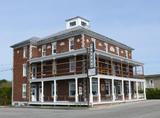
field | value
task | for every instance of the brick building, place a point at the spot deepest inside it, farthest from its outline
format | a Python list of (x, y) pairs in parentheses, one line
[(75, 66)]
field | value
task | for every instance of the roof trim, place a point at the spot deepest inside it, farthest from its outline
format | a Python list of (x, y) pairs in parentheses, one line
[(152, 76), (32, 40), (76, 18)]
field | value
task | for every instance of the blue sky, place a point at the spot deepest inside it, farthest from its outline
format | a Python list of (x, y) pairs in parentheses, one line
[(133, 22)]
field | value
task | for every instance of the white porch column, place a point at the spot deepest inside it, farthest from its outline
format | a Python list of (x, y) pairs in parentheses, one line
[(113, 94), (123, 90), (55, 90), (41, 69), (99, 93), (129, 83), (137, 90), (90, 90), (42, 96), (76, 89), (144, 90)]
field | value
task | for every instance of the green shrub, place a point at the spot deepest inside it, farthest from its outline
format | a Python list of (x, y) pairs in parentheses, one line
[(5, 95), (153, 93)]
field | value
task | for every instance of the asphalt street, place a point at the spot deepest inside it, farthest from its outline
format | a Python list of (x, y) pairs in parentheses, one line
[(142, 109)]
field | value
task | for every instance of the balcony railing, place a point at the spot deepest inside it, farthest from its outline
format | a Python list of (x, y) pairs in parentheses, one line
[(48, 69)]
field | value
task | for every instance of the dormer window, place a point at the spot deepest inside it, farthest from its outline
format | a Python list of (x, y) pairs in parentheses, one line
[(83, 23), (73, 23), (71, 44), (77, 21)]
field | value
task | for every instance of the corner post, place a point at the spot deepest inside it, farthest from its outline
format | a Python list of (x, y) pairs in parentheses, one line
[(129, 89), (99, 93), (113, 94), (76, 90), (55, 90), (90, 92), (42, 96)]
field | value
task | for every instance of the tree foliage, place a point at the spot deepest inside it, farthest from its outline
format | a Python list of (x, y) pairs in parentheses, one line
[(5, 92)]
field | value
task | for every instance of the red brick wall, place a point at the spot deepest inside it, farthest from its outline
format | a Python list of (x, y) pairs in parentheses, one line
[(129, 54), (100, 45), (34, 52), (49, 49), (62, 45), (78, 42), (122, 52), (87, 41), (39, 49), (47, 91), (112, 49), (18, 78)]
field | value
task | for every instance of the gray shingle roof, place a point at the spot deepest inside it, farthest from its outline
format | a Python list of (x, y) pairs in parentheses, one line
[(69, 33), (32, 40)]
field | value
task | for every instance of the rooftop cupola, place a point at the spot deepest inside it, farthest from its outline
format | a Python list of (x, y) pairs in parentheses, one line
[(77, 21)]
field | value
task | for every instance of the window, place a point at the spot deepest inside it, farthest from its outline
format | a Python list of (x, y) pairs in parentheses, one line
[(24, 70), (71, 89), (24, 89), (151, 84), (54, 48), (72, 65), (83, 23), (107, 86), (71, 44), (94, 87), (72, 23), (25, 52), (44, 50), (119, 88)]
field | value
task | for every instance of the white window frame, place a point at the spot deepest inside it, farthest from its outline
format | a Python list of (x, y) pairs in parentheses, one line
[(54, 48), (24, 70), (95, 86), (25, 52), (71, 89), (71, 43), (107, 85), (44, 49), (24, 90)]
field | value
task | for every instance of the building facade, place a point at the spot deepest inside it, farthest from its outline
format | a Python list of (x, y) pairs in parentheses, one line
[(152, 81), (76, 66)]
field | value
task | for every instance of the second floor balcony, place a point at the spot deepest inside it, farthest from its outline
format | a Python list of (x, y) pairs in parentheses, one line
[(79, 65)]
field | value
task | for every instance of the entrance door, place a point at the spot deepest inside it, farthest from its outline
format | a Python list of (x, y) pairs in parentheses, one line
[(116, 92), (34, 93)]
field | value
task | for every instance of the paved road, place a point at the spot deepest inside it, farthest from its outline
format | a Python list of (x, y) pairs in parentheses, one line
[(143, 109)]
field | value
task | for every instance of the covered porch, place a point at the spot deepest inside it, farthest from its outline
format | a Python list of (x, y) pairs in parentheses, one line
[(98, 89)]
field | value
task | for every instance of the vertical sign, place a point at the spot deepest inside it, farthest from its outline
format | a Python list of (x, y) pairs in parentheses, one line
[(92, 64)]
